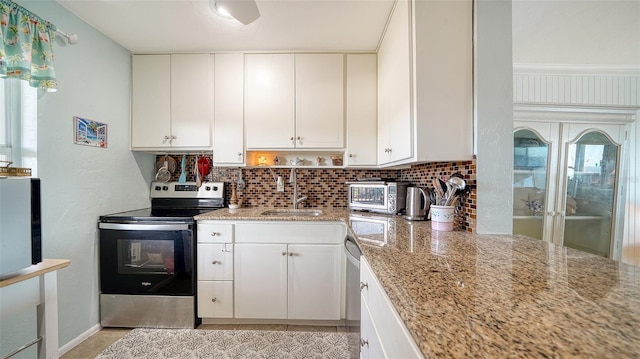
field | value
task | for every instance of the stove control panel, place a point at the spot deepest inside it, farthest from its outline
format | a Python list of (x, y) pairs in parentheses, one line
[(186, 190)]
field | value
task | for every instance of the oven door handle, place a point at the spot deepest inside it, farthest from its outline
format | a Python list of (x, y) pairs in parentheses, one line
[(146, 227)]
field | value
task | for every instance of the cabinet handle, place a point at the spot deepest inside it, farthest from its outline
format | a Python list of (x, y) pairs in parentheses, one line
[(174, 137), (216, 262), (240, 156), (364, 342), (224, 248), (351, 155), (284, 253), (364, 285), (551, 213), (214, 299), (291, 254), (165, 139), (292, 139), (213, 234)]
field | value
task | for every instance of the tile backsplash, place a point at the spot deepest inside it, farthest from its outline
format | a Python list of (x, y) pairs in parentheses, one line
[(325, 187)]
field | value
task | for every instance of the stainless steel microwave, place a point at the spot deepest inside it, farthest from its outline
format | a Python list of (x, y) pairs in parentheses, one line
[(378, 196)]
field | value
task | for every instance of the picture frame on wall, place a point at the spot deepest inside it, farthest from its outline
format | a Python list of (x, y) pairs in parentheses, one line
[(89, 133)]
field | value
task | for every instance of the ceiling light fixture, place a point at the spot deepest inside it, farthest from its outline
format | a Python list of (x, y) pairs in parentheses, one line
[(245, 11)]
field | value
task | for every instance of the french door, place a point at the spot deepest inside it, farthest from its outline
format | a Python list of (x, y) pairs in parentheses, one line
[(566, 183)]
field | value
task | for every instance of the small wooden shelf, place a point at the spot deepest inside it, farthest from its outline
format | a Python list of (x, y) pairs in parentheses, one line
[(46, 266)]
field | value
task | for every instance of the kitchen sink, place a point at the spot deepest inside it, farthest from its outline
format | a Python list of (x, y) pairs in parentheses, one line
[(293, 212)]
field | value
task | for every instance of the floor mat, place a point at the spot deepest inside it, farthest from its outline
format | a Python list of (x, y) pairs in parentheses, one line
[(198, 343)]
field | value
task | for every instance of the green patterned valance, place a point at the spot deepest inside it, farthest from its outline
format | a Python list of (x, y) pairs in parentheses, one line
[(26, 46)]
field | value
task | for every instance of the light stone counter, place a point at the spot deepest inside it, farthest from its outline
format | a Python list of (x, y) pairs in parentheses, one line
[(464, 295)]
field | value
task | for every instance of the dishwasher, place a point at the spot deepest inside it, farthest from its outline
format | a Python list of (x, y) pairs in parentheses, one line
[(353, 283)]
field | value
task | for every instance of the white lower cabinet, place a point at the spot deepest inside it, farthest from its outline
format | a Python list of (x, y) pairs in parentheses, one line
[(382, 332), (214, 263), (289, 271), (215, 299), (280, 281), (261, 281), (314, 281)]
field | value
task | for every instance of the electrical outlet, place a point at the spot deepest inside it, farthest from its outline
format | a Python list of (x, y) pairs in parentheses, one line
[(280, 184)]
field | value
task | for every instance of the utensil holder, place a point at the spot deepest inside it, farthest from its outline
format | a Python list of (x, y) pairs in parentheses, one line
[(442, 217)]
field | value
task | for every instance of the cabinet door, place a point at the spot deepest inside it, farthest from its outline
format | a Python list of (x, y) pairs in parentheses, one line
[(319, 100), (228, 128), (535, 178), (315, 281), (361, 110), (260, 281), (590, 171), (395, 130), (151, 101), (269, 101), (215, 261), (191, 113), (215, 299)]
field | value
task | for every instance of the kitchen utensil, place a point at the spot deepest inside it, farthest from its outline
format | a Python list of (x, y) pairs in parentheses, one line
[(240, 184), (457, 183), (183, 174), (417, 204), (204, 165), (170, 163), (198, 180), (163, 174)]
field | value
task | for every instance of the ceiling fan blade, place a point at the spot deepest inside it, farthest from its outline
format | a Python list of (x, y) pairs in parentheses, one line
[(245, 11)]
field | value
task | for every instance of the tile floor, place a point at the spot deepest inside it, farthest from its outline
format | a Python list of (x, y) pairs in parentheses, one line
[(95, 344)]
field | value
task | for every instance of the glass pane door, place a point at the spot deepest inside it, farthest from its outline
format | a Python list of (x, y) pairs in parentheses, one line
[(591, 170), (530, 166)]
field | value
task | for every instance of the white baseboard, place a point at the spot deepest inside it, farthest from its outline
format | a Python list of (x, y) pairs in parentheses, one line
[(79, 339)]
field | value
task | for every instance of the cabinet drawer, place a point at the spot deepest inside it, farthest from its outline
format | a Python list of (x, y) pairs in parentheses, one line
[(215, 299), (369, 338), (395, 340), (214, 233), (215, 261), (291, 232)]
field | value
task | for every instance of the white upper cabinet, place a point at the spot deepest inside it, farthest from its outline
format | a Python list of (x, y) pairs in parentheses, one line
[(319, 100), (270, 100), (151, 101), (395, 135), (361, 98), (171, 105), (228, 119), (425, 90), (294, 101)]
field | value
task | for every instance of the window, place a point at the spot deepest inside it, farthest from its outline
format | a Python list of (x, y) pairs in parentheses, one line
[(18, 124)]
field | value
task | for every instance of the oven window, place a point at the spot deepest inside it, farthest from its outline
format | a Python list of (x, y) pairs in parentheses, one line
[(368, 195), (136, 256)]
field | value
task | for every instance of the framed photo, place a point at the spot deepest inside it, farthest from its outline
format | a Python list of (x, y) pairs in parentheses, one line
[(89, 133)]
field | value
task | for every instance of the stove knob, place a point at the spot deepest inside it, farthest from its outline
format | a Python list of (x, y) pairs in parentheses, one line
[(165, 188), (215, 188), (158, 188), (207, 188)]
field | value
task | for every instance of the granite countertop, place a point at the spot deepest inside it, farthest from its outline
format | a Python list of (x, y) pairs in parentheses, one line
[(465, 295)]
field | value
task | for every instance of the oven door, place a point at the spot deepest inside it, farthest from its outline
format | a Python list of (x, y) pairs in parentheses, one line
[(147, 258)]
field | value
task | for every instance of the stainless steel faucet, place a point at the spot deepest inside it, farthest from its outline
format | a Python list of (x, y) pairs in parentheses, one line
[(293, 180)]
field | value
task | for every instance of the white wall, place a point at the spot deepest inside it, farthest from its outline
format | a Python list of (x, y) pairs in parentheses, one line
[(576, 32), (493, 115), (80, 183)]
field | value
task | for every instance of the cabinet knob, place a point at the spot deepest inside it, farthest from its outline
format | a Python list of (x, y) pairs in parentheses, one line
[(291, 254), (291, 139), (166, 137), (284, 253), (364, 342), (363, 285), (174, 137), (551, 213), (214, 299), (215, 262), (351, 155)]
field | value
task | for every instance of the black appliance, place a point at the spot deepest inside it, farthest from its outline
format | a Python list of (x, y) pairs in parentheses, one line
[(20, 223), (147, 258)]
